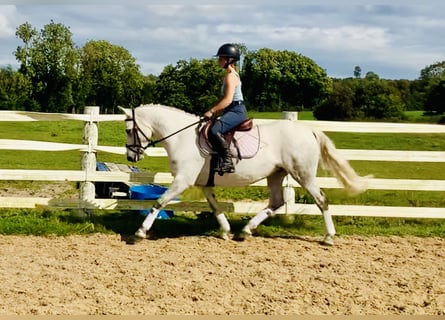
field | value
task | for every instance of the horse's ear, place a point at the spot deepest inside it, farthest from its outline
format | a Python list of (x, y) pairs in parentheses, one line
[(125, 110)]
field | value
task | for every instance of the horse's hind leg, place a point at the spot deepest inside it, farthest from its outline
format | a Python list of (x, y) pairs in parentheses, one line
[(274, 183), (327, 217), (309, 183), (220, 217)]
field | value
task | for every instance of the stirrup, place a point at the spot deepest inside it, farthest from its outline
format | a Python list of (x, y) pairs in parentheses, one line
[(225, 167)]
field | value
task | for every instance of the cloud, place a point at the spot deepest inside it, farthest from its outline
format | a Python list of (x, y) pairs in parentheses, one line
[(343, 37), (8, 19), (395, 40)]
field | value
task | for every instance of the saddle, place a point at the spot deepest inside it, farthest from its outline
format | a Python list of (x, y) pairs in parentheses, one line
[(244, 140)]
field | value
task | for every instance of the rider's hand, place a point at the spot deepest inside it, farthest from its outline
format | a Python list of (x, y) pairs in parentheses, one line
[(208, 115)]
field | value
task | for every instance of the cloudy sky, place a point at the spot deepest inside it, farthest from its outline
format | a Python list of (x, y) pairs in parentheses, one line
[(395, 41)]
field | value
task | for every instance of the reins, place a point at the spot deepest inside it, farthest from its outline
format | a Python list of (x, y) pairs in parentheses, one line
[(153, 142), (176, 132)]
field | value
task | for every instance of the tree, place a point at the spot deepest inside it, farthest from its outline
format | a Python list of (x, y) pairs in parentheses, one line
[(405, 89), (48, 61), (243, 52), (375, 99), (192, 85), (371, 76), (23, 54), (109, 76), (148, 94), (357, 72), (283, 80), (432, 78), (339, 105), (435, 101), (435, 70), (14, 90)]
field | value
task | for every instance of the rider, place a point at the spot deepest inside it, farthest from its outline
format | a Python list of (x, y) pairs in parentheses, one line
[(230, 105)]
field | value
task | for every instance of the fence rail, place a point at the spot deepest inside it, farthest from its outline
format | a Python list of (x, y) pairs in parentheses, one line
[(87, 175)]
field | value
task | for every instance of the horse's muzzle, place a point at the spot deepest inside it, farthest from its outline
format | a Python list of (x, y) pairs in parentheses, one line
[(135, 157)]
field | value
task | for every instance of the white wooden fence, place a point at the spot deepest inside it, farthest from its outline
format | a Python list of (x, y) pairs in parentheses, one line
[(88, 174)]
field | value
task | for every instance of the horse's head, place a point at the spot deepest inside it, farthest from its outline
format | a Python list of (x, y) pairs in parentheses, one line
[(137, 140)]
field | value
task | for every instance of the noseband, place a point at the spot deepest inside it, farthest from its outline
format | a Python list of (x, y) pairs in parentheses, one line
[(137, 146)]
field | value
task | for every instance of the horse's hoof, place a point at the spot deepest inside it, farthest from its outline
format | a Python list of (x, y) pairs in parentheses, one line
[(243, 235), (140, 234), (133, 240), (328, 240), (224, 235)]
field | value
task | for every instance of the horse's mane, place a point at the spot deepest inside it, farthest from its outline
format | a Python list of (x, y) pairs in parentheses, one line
[(152, 105)]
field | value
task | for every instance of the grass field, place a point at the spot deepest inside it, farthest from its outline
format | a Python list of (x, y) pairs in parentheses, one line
[(38, 222)]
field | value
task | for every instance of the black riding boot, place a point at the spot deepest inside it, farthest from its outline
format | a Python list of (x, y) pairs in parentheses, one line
[(225, 163)]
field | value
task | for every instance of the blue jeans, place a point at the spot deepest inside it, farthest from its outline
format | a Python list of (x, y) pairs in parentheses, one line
[(232, 116)]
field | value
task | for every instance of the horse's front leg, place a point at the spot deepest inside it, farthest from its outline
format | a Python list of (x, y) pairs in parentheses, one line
[(276, 200), (220, 217), (176, 188)]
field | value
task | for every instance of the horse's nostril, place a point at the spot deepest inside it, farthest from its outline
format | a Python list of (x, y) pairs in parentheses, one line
[(129, 159)]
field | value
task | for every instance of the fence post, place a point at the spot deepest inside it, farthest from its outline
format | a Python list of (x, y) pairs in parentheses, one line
[(290, 115), (288, 190), (90, 138)]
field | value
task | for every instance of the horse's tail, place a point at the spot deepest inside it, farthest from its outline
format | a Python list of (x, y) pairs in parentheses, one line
[(335, 163)]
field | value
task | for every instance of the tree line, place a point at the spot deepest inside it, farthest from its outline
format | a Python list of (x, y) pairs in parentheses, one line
[(55, 75)]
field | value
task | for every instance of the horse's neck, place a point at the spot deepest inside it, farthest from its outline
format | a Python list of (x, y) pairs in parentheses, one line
[(165, 120)]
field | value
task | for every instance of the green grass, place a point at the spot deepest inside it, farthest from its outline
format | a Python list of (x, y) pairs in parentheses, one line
[(45, 223), (302, 115), (63, 223), (382, 141), (52, 131), (414, 115), (420, 117), (60, 222)]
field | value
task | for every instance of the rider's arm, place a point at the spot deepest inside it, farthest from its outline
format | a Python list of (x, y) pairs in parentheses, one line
[(231, 80)]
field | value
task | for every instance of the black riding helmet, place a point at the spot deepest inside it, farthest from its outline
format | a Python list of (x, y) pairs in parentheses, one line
[(228, 50)]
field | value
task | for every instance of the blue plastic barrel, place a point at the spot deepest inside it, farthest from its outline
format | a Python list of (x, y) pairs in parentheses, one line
[(150, 192)]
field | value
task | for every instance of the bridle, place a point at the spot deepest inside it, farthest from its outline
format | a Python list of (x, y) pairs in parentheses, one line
[(137, 146)]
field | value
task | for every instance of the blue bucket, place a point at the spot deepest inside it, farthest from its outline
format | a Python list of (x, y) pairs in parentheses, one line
[(146, 192), (150, 192)]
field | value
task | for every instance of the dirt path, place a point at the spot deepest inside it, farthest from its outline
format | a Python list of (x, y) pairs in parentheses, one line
[(100, 274)]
